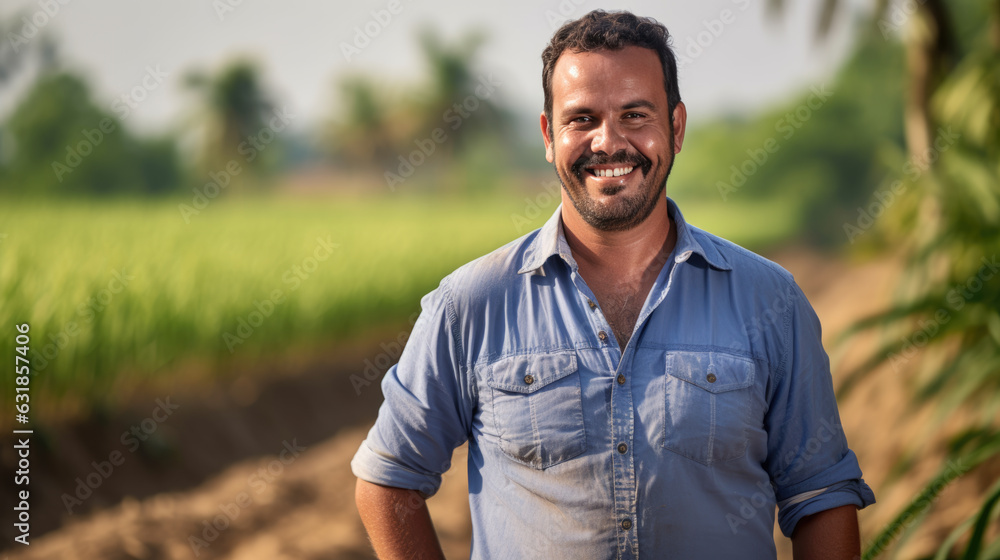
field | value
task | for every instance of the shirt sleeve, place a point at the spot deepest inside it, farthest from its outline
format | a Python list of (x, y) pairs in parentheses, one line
[(809, 462), (427, 411)]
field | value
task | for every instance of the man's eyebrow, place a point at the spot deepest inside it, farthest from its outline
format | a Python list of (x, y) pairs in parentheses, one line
[(584, 110), (639, 103), (577, 110)]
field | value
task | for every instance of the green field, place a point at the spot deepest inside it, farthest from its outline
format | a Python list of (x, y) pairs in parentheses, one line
[(125, 286)]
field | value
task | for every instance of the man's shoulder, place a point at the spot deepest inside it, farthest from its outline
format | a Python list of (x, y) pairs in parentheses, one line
[(493, 273), (743, 261)]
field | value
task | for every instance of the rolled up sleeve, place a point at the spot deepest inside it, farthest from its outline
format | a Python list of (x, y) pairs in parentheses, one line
[(809, 461), (427, 411)]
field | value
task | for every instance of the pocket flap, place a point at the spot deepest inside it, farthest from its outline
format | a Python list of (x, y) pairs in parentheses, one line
[(530, 372), (712, 371)]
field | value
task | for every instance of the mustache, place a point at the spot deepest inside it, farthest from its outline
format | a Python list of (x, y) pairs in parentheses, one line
[(632, 159)]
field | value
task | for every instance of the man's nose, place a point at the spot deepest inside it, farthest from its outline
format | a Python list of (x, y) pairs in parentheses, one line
[(608, 138)]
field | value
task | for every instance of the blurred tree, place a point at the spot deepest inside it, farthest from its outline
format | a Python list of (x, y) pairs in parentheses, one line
[(458, 98), (365, 134), (16, 55), (234, 123), (451, 126), (16, 51), (814, 152), (63, 143)]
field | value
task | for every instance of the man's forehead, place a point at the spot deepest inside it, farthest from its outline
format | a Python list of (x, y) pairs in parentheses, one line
[(623, 72), (570, 59)]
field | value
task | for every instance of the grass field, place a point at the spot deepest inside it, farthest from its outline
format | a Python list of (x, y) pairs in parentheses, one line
[(128, 286)]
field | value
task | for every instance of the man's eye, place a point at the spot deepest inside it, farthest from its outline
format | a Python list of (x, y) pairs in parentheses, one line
[(634, 115), (582, 119)]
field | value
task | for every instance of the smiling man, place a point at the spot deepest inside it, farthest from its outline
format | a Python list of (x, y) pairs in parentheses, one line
[(628, 384)]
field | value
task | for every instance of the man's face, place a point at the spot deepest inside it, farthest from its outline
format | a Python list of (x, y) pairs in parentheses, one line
[(613, 138)]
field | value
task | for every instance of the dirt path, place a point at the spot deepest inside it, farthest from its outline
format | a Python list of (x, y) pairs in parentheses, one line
[(266, 461)]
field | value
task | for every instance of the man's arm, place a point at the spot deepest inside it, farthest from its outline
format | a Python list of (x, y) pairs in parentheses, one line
[(828, 535), (397, 522)]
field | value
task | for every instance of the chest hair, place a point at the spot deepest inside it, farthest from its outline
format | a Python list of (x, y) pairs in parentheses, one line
[(621, 306)]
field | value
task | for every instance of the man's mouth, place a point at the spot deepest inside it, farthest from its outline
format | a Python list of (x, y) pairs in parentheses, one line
[(610, 171)]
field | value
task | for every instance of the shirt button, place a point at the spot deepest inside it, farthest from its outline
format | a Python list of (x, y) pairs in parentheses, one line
[(710, 378), (622, 448), (626, 524), (529, 379), (591, 303), (621, 379), (603, 336)]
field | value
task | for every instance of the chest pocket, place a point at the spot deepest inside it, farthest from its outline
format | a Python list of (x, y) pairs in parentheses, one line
[(538, 408), (707, 410)]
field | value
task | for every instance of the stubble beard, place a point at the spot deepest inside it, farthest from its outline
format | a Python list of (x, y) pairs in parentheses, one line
[(625, 211)]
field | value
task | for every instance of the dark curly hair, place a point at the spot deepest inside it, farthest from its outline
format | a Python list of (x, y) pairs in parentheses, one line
[(600, 30)]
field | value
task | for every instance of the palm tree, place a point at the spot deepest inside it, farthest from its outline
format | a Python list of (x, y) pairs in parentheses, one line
[(453, 82), (366, 134), (234, 110), (948, 223)]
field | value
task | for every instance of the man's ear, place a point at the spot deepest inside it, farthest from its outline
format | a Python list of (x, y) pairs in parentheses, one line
[(544, 122), (680, 123)]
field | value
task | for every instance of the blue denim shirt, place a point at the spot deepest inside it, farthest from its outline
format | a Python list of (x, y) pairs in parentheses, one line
[(720, 407)]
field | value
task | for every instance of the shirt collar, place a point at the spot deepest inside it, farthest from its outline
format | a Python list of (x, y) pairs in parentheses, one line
[(551, 240)]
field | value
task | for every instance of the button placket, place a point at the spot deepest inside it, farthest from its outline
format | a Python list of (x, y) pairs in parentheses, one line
[(623, 428)]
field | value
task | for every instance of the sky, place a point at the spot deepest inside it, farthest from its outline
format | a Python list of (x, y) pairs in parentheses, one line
[(735, 57)]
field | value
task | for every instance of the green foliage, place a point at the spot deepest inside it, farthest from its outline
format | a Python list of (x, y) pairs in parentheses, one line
[(451, 117), (63, 266), (234, 115), (62, 143), (947, 219), (822, 161)]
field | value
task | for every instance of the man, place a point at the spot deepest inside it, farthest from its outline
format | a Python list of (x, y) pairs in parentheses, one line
[(628, 384)]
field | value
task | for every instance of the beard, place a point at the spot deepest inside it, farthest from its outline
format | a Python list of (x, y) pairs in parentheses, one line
[(625, 211)]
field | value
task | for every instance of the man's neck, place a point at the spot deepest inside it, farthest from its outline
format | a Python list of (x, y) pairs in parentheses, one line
[(621, 267), (625, 254)]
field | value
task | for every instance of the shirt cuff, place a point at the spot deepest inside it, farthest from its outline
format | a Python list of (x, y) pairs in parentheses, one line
[(378, 469), (850, 492)]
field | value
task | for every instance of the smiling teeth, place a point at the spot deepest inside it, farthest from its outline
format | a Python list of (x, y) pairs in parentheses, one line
[(613, 172)]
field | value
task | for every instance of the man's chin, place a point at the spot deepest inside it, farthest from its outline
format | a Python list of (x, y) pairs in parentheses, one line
[(611, 190)]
